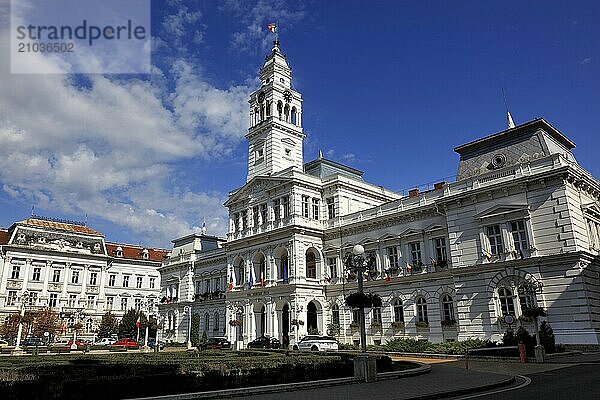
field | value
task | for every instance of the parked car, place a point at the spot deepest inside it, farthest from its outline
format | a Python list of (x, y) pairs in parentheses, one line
[(152, 344), (62, 342), (264, 342), (32, 341), (105, 342), (78, 342), (216, 343), (127, 342), (316, 343), (3, 343)]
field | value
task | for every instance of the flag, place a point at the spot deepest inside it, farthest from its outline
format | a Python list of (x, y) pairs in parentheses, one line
[(521, 254), (388, 277), (408, 267), (251, 280), (433, 261), (487, 254), (285, 277), (272, 27), (137, 323), (231, 282), (262, 279)]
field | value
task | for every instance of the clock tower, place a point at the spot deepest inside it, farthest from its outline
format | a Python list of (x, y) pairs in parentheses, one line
[(275, 135)]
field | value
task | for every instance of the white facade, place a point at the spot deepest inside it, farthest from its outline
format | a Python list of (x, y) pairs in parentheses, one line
[(70, 268), (450, 261)]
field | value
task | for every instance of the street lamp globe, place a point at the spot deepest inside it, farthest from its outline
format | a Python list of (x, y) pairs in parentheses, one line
[(358, 250)]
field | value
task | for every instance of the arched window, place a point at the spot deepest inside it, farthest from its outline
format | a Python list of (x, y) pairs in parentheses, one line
[(398, 311), (256, 116), (89, 326), (262, 113), (286, 112), (284, 268), (206, 322), (507, 303), (526, 300), (268, 108), (239, 271), (294, 117), (447, 308), (335, 313), (217, 321), (311, 265), (280, 109), (422, 310)]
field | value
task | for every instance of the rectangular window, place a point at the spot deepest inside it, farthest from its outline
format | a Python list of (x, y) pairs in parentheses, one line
[(415, 253), (392, 255), (440, 249), (255, 215), (332, 264), (277, 209), (236, 222), (33, 298), (285, 202), (126, 281), (93, 278), (91, 302), (110, 300), (376, 315), (16, 271), (138, 304), (53, 299), (152, 283), (263, 213), (198, 287), (355, 315), (37, 273), (244, 220), (112, 279), (56, 276), (11, 299), (494, 235), (519, 235), (330, 207), (305, 206), (124, 304), (207, 285), (72, 300), (217, 283), (315, 208), (139, 281), (75, 276)]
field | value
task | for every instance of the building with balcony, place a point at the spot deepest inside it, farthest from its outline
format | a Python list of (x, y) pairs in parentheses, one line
[(520, 227), (70, 267)]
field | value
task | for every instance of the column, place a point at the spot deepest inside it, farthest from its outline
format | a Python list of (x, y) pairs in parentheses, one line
[(46, 279), (63, 294), (4, 274)]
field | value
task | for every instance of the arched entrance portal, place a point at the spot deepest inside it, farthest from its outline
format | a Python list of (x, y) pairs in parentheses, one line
[(311, 317)]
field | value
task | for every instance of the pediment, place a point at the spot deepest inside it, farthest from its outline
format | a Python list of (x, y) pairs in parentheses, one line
[(388, 236), (288, 141), (592, 209), (256, 186), (411, 232), (434, 227), (500, 210)]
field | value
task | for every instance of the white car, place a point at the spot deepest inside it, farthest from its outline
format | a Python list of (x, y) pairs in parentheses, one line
[(104, 342), (316, 343)]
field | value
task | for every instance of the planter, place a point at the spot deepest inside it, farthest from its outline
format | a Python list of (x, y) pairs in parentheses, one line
[(422, 325), (398, 325), (448, 323)]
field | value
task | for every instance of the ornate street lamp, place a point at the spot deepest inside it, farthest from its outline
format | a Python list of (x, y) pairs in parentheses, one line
[(359, 264), (23, 299), (188, 310)]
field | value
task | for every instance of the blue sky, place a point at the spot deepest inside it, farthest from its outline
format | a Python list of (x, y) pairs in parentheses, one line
[(389, 88)]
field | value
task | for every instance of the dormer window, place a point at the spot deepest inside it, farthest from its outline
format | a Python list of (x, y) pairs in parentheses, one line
[(79, 245), (119, 251), (145, 254), (96, 246)]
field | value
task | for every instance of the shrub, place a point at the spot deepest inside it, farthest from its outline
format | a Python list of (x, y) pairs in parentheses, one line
[(409, 345), (547, 337), (509, 339), (195, 334)]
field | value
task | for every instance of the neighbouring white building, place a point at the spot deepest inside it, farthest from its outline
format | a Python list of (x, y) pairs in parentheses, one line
[(451, 260), (70, 267)]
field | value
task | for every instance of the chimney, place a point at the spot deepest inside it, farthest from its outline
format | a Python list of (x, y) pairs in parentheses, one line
[(413, 193), (439, 185)]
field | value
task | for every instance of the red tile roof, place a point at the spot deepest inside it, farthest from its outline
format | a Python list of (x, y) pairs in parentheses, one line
[(136, 252), (4, 236), (61, 226)]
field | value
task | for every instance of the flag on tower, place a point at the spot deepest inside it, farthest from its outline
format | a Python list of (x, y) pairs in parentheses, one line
[(272, 27), (231, 282)]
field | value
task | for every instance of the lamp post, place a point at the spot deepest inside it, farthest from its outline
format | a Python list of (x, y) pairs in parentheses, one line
[(531, 289), (147, 306), (356, 262), (188, 310), (24, 298)]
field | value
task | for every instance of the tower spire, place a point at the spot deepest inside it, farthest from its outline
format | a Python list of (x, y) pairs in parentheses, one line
[(509, 118)]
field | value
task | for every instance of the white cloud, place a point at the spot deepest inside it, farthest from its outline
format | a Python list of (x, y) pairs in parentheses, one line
[(112, 147), (586, 60)]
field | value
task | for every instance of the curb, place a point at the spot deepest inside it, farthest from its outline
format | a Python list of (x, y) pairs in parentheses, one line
[(460, 392), (285, 387)]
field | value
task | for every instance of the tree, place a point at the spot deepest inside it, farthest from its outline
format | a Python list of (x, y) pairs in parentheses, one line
[(195, 334), (46, 321), (108, 326), (9, 328), (127, 326), (547, 337)]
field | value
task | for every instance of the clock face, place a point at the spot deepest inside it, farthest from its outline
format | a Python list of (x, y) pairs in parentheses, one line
[(261, 97), (287, 95)]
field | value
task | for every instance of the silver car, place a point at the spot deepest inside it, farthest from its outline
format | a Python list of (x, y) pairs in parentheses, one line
[(316, 343)]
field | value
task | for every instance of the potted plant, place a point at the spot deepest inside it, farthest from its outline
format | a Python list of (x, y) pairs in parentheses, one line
[(297, 322), (354, 326), (376, 325), (363, 300), (398, 325), (422, 325), (448, 323), (235, 322)]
